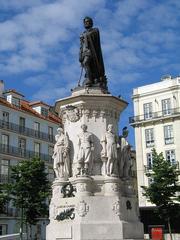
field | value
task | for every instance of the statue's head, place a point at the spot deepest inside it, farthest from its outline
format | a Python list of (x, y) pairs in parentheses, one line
[(110, 127), (84, 127), (60, 130), (125, 132), (88, 22)]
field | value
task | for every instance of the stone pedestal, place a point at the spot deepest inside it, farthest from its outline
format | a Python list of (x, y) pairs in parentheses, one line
[(83, 185), (101, 213), (57, 187), (101, 207), (111, 186)]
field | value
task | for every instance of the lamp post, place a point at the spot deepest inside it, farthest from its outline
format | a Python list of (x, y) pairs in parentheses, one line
[(21, 218)]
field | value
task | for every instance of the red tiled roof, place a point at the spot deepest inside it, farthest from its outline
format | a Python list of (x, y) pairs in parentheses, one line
[(13, 91), (25, 107), (39, 103)]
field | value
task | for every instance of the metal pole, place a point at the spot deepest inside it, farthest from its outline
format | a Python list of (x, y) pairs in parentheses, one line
[(80, 76), (21, 225), (21, 218)]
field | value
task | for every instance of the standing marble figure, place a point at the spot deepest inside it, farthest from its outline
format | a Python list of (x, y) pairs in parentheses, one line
[(61, 155), (90, 56), (85, 152), (109, 143), (125, 159)]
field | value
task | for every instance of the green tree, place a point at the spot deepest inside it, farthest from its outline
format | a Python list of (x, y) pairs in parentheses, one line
[(164, 188), (3, 198), (30, 189)]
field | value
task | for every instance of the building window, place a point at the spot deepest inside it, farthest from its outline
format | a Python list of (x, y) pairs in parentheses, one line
[(150, 180), (44, 111), (50, 133), (16, 101), (166, 106), (3, 229), (5, 142), (4, 171), (149, 160), (5, 117), (168, 134), (170, 156), (148, 110), (149, 135), (37, 149), (51, 175), (38, 231), (22, 146), (37, 129), (50, 150), (22, 124)]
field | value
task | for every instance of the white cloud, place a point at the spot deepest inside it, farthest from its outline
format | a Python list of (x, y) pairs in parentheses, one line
[(18, 4), (41, 37), (50, 93), (31, 36)]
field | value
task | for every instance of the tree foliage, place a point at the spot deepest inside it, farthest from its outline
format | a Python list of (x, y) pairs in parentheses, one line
[(3, 198), (164, 189), (30, 188)]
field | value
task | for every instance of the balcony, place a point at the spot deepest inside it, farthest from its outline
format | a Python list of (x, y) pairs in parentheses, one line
[(4, 178), (23, 153), (148, 168), (169, 140), (26, 131), (12, 212), (154, 116)]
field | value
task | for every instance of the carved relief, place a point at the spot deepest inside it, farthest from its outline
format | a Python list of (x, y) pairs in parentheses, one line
[(115, 187), (72, 113), (87, 113), (128, 205), (92, 112), (102, 114), (82, 208), (68, 190), (66, 214), (95, 114), (81, 187), (116, 208)]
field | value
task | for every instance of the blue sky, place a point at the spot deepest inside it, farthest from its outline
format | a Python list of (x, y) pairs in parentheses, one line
[(39, 45)]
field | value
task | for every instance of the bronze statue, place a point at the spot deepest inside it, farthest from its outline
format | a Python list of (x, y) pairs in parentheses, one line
[(90, 56)]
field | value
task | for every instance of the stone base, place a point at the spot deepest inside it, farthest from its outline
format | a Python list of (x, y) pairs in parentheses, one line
[(96, 231), (96, 218), (101, 208)]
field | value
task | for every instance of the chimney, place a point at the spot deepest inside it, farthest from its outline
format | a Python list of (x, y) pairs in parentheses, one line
[(1, 88)]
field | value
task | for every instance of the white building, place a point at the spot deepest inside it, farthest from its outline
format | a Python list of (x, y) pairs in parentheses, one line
[(27, 129), (157, 124)]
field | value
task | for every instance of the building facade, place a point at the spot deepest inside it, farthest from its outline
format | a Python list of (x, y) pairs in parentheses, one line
[(156, 122), (27, 129)]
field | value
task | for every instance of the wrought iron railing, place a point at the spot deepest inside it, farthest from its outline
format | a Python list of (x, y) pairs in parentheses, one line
[(154, 115), (15, 236), (26, 131), (149, 167), (4, 178), (23, 153)]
